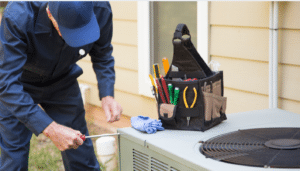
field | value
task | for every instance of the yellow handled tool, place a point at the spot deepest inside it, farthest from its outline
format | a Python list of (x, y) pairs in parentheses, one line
[(184, 97), (185, 103), (153, 83), (152, 80)]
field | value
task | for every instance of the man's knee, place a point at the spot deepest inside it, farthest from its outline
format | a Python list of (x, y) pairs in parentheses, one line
[(14, 159), (14, 146)]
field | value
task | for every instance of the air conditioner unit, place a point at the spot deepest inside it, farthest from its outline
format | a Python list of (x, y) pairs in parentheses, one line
[(175, 150)]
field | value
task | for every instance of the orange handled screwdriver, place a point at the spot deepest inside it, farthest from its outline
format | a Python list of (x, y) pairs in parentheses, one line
[(166, 64), (83, 137)]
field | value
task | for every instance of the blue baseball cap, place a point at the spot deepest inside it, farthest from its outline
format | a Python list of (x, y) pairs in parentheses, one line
[(76, 21)]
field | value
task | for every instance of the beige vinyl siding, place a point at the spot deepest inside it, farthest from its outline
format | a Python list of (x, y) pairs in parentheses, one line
[(289, 56), (237, 99), (289, 82), (289, 46), (125, 33), (248, 14), (126, 64), (240, 42), (124, 10), (247, 74), (134, 105), (127, 56), (289, 15)]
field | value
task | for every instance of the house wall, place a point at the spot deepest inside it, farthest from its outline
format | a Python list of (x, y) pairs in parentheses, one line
[(126, 64), (240, 42), (289, 59)]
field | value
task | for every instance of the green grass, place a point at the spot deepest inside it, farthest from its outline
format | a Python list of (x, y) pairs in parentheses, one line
[(2, 9), (44, 155)]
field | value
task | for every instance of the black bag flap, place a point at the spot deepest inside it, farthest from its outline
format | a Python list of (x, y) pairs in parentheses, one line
[(186, 57)]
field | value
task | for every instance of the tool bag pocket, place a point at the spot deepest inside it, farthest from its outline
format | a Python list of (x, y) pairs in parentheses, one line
[(167, 114), (214, 102), (200, 104), (214, 106)]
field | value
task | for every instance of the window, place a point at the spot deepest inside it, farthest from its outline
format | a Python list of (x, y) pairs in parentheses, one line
[(156, 24), (165, 17)]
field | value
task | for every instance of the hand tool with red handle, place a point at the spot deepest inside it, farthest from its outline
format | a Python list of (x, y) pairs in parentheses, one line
[(164, 86), (160, 91)]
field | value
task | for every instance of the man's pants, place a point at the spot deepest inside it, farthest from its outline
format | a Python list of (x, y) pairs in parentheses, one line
[(63, 103)]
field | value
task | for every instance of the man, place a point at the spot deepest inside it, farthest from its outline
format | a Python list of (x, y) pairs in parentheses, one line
[(40, 45)]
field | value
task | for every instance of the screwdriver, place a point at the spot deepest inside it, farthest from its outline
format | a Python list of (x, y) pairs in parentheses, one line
[(83, 137), (166, 65)]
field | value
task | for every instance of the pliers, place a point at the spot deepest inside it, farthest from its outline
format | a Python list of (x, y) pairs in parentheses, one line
[(184, 97), (185, 102)]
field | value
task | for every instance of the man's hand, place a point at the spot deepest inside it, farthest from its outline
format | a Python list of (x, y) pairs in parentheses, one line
[(63, 137), (112, 109)]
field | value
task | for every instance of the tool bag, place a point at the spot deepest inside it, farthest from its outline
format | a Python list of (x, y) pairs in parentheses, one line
[(201, 104)]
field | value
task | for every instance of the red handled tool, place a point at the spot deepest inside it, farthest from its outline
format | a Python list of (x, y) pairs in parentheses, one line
[(83, 137), (189, 79), (160, 91), (164, 86)]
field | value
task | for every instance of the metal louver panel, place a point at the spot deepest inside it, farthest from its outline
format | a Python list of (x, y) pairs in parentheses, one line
[(157, 165), (140, 161), (173, 169)]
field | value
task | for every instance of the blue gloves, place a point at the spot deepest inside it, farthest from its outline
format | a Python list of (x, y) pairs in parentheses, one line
[(146, 124)]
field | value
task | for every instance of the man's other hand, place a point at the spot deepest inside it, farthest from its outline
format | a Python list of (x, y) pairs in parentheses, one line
[(63, 137), (112, 109)]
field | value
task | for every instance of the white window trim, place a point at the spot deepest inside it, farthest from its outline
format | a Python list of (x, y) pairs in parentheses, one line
[(143, 25), (203, 30)]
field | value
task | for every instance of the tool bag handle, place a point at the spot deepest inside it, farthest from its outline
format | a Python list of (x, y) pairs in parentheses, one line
[(181, 30), (186, 57)]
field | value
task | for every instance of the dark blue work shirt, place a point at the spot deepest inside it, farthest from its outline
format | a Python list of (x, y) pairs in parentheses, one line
[(32, 52)]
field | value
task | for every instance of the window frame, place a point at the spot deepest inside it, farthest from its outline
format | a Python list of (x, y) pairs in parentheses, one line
[(144, 43)]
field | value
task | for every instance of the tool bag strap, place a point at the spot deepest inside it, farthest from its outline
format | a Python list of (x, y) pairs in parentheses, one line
[(186, 57)]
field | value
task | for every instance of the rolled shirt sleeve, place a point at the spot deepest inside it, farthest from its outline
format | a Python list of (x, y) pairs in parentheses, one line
[(101, 54), (12, 96)]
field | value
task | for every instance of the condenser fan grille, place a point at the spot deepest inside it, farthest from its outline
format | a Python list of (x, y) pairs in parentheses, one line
[(265, 147)]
